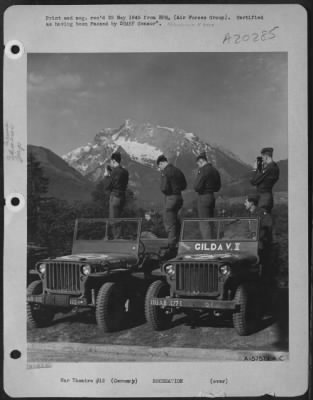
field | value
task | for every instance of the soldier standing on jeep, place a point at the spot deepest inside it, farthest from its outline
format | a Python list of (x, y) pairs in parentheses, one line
[(207, 182), (265, 175), (116, 181), (173, 182), (265, 234)]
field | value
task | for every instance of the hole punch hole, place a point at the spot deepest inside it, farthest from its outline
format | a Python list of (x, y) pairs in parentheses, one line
[(15, 354), (15, 202), (14, 49)]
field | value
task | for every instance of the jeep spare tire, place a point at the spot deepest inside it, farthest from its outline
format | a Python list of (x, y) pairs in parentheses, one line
[(110, 307), (37, 315), (158, 317)]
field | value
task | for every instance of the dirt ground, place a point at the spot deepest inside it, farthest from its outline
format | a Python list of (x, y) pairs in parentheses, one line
[(207, 332)]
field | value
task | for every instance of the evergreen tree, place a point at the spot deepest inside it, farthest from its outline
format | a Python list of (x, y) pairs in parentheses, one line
[(37, 186)]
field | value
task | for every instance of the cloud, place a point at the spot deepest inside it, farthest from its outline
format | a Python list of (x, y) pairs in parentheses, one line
[(40, 83), (81, 96), (69, 81)]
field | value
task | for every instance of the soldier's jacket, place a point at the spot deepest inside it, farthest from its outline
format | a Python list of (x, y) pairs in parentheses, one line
[(265, 180), (117, 182), (208, 180), (266, 228), (173, 181)]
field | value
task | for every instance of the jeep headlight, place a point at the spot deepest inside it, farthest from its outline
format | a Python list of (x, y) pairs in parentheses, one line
[(42, 268), (224, 269), (170, 269), (86, 269)]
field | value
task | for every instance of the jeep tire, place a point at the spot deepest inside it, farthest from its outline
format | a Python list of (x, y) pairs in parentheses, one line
[(156, 316), (110, 307), (38, 316), (246, 319)]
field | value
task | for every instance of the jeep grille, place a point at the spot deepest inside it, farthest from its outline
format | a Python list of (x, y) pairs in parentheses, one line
[(63, 276), (197, 278)]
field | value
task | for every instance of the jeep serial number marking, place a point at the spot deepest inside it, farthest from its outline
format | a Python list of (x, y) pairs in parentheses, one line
[(217, 246), (163, 302)]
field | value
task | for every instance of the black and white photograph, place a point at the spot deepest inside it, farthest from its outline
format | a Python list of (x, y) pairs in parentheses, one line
[(158, 203)]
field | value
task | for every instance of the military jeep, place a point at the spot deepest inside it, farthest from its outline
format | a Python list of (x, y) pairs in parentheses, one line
[(109, 271), (216, 270)]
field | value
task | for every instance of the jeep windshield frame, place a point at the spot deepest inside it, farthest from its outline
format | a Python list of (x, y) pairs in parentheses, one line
[(104, 240), (108, 222), (217, 222)]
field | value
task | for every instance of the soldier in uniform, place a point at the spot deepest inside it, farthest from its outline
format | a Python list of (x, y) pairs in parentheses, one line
[(173, 182), (264, 177), (207, 182), (116, 182), (265, 235)]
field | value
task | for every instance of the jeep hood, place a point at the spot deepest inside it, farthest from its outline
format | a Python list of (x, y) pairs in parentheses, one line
[(112, 258), (219, 257)]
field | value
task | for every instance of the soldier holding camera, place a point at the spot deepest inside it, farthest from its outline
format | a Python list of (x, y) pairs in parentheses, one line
[(116, 181), (265, 175)]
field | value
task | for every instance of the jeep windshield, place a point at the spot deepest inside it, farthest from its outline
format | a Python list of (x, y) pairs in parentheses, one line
[(220, 229), (107, 229)]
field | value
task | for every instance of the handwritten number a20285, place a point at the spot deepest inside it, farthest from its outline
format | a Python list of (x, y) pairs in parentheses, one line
[(255, 37)]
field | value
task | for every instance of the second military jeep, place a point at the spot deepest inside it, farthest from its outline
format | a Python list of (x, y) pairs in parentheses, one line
[(217, 270), (108, 271)]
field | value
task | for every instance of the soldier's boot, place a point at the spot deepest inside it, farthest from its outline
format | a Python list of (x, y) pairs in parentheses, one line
[(168, 252)]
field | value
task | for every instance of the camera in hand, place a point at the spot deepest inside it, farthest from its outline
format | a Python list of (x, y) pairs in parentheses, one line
[(109, 168), (259, 161)]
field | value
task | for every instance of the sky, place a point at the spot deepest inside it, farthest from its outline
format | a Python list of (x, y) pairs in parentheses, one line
[(236, 100)]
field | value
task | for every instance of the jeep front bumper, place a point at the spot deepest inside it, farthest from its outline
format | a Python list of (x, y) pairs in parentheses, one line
[(193, 303), (58, 300)]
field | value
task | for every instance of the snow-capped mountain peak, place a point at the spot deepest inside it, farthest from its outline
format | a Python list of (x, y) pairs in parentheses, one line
[(140, 144)]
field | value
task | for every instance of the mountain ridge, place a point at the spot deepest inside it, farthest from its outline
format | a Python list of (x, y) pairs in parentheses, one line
[(141, 143), (65, 182)]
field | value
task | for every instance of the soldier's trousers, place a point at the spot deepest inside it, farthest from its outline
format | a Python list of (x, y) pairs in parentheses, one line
[(172, 206), (116, 205), (206, 205), (266, 201)]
